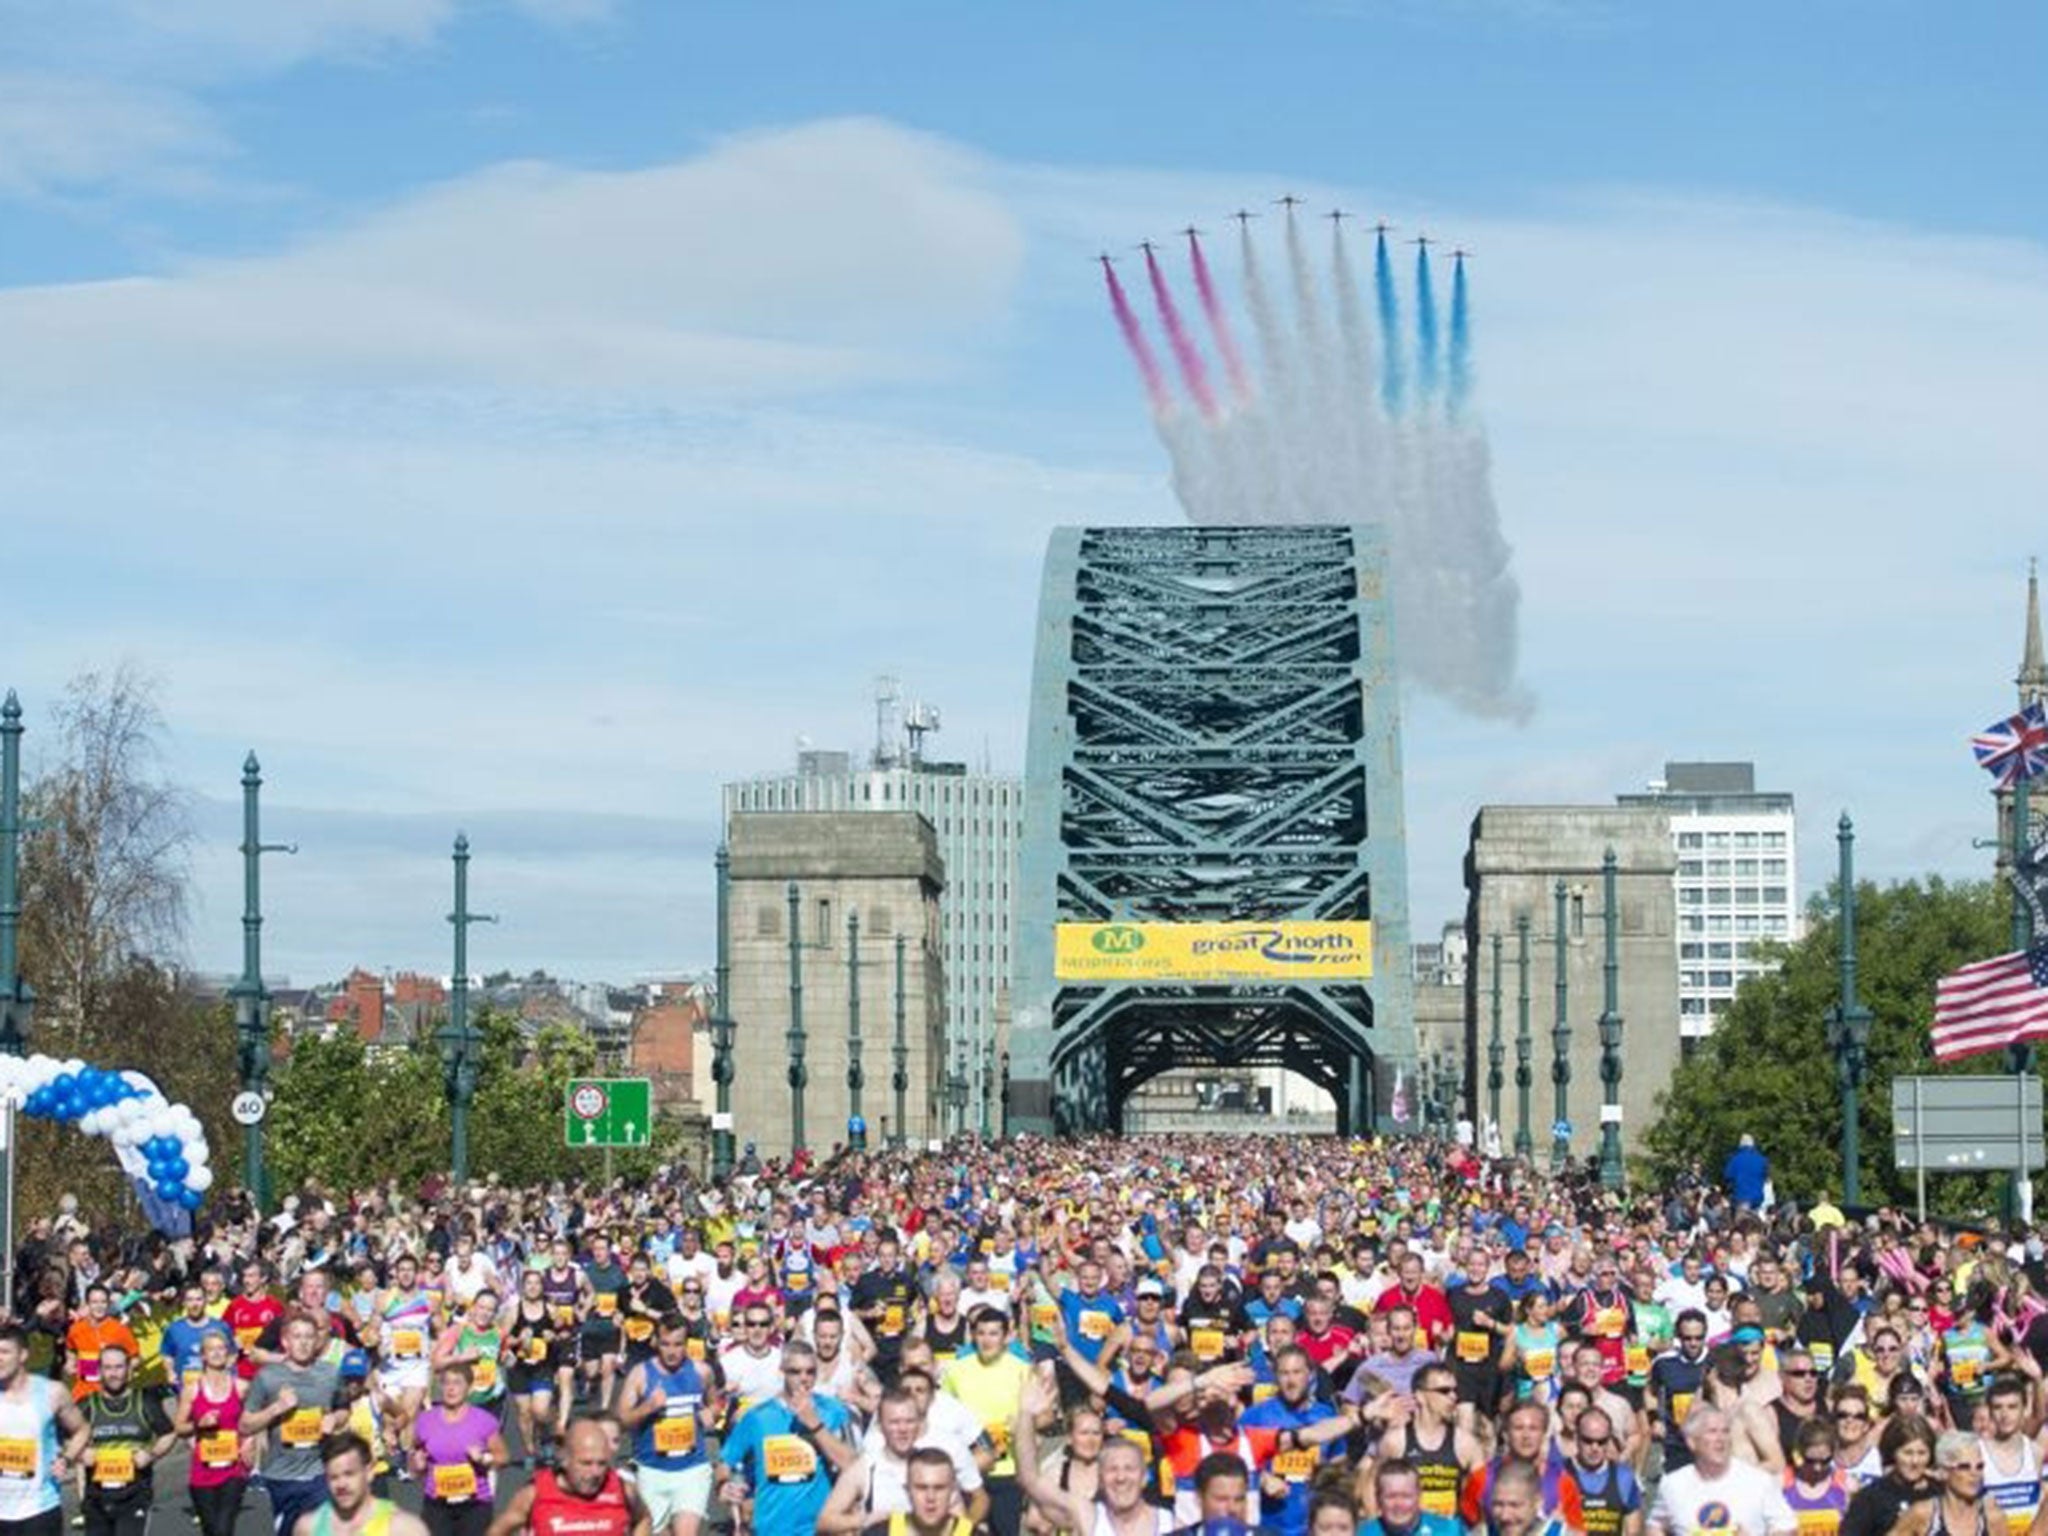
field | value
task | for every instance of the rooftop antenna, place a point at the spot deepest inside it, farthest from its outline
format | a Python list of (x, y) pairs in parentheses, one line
[(919, 721)]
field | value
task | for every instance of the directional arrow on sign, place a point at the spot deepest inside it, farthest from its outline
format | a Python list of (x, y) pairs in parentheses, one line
[(590, 1131), (630, 1137)]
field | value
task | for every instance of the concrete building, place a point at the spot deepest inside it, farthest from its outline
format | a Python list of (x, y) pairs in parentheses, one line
[(884, 867), (1736, 881), (978, 821), (1516, 857)]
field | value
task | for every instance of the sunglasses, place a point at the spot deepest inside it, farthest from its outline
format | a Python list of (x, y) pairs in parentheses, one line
[(1808, 1371), (1852, 1418)]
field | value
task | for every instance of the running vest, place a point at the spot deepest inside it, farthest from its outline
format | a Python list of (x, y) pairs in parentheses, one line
[(558, 1512), (1604, 1509), (899, 1525), (672, 1440), (1818, 1514), (119, 1430), (944, 1340), (378, 1524), (1437, 1471), (2017, 1490), (489, 1343), (407, 1321)]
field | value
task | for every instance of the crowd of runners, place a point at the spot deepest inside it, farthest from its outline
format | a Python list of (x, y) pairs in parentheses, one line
[(1102, 1338)]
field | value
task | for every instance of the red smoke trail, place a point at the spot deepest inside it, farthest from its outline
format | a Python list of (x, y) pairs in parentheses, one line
[(1141, 349), (1219, 323), (1192, 371)]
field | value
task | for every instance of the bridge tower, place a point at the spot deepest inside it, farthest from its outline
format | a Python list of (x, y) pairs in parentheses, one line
[(1215, 739)]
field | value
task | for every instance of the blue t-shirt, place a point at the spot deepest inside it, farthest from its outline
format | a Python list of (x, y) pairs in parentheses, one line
[(1090, 1320), (1425, 1525), (790, 1478), (678, 1426), (1289, 1516), (182, 1341)]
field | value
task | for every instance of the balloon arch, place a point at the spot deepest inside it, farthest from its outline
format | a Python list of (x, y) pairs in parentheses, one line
[(161, 1146)]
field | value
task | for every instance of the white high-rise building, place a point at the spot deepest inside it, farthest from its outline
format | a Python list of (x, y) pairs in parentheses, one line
[(1737, 881), (979, 819)]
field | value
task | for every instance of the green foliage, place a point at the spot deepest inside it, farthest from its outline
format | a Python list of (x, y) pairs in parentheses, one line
[(1767, 1068)]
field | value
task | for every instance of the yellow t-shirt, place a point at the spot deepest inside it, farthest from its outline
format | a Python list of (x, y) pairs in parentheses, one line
[(993, 1394)]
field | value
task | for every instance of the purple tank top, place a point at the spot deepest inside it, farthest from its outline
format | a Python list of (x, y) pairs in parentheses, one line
[(451, 1476)]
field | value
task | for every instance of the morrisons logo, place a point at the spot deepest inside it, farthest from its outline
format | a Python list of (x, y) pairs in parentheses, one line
[(1118, 940)]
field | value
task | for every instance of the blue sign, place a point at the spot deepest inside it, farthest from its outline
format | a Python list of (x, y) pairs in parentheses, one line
[(1562, 1131), (857, 1126)]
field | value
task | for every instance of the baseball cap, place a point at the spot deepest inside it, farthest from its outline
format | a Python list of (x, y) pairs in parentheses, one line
[(355, 1365), (1150, 1287)]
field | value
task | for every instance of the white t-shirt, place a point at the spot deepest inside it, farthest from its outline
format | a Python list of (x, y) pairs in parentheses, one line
[(466, 1284), (1742, 1501), (971, 1300), (949, 1424), (888, 1480)]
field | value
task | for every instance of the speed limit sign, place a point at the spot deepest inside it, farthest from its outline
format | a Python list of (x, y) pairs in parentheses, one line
[(588, 1101)]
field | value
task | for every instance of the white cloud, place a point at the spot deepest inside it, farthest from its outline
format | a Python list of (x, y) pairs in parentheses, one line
[(63, 131), (806, 259)]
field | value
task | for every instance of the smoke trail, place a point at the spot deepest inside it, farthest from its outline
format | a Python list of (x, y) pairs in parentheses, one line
[(1192, 370), (1284, 433), (1392, 386), (1322, 417), (1428, 361), (1141, 350), (1219, 323), (1461, 337)]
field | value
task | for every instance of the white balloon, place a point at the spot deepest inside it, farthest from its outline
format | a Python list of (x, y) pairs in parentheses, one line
[(200, 1178), (197, 1153), (71, 1064), (91, 1121), (124, 1136)]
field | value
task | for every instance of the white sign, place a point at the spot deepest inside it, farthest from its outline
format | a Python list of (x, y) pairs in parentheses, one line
[(248, 1108), (588, 1103)]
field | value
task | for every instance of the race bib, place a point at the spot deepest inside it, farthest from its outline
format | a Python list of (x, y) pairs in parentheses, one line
[(17, 1458), (639, 1329), (1440, 1501), (407, 1343), (999, 1437), (455, 1483), (1095, 1326), (722, 1321), (219, 1448), (694, 1348), (1539, 1363), (676, 1436), (787, 1459), (892, 1321), (486, 1377), (1610, 1322), (1207, 1343), (1043, 1315), (1819, 1522), (536, 1350), (113, 1466), (1637, 1358), (301, 1427), (1296, 1466), (607, 1303), (564, 1316), (1713, 1518), (1681, 1405), (1261, 1390), (244, 1337), (1965, 1373), (1823, 1355), (1473, 1347), (1000, 1280)]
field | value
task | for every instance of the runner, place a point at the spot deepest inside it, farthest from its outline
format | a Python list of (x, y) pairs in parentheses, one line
[(209, 1414), (667, 1403), (351, 1509), (583, 1496), (406, 1327), (456, 1449), (129, 1435), (293, 1405)]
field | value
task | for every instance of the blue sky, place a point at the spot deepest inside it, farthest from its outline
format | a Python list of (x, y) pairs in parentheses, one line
[(525, 415)]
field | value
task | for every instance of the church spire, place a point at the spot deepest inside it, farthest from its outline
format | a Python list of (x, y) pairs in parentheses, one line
[(2033, 678)]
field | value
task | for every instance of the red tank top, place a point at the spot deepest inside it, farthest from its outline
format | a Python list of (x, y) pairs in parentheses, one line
[(217, 1452), (558, 1512)]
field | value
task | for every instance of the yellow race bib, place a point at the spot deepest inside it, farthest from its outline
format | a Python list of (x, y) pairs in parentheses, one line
[(536, 1350), (455, 1483), (639, 1329), (486, 1378), (787, 1459), (301, 1427), (113, 1466), (1095, 1326), (1207, 1343), (219, 1448), (607, 1303), (676, 1436), (407, 1343), (1473, 1347), (1296, 1466)]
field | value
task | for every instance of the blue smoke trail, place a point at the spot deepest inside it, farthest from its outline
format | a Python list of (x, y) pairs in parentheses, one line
[(1461, 337), (1391, 383), (1428, 364)]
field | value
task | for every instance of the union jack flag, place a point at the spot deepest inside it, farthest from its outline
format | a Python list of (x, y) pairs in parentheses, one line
[(2014, 749)]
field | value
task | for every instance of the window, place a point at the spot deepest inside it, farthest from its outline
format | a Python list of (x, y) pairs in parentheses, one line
[(1689, 840), (1718, 923), (1747, 923), (1691, 951), (1717, 839), (1775, 923), (1578, 911), (1774, 867), (1689, 868), (1774, 840), (1718, 896), (1692, 924), (1720, 978), (1774, 895), (1718, 867), (1692, 978), (768, 921), (1717, 1005), (1692, 1005), (821, 935), (1745, 869), (1719, 951), (1691, 896), (1745, 895), (1745, 839)]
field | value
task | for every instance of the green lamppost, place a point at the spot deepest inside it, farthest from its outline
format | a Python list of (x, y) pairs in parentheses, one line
[(856, 1122), (252, 998), (1610, 1032), (1561, 1048), (899, 1077), (956, 1096), (458, 1040), (988, 1088), (798, 1075), (1496, 1051), (17, 1000), (1848, 1022), (1525, 1047), (1003, 1096), (721, 1025)]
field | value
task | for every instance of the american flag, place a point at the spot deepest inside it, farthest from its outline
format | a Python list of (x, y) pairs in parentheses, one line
[(2014, 748), (1993, 1003)]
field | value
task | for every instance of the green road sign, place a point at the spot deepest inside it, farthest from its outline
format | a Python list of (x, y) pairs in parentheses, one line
[(608, 1112)]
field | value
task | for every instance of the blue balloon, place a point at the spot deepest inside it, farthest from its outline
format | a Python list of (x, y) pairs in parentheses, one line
[(189, 1198), (176, 1169), (166, 1190)]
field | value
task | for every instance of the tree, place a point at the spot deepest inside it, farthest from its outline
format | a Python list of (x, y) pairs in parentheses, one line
[(1767, 1070), (103, 861), (344, 1121)]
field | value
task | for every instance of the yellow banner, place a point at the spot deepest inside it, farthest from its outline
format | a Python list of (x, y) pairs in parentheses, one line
[(1282, 951)]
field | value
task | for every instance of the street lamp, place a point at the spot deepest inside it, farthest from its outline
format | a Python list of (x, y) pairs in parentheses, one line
[(1525, 1048), (1848, 1022), (956, 1097), (252, 998), (899, 1076), (457, 1039), (856, 1122), (1496, 1052), (798, 1076), (1561, 1048), (1610, 1034), (721, 1025), (17, 1000)]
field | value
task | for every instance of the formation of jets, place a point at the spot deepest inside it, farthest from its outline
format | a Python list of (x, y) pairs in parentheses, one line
[(1290, 202)]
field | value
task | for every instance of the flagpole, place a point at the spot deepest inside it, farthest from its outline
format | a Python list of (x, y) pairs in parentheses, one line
[(2020, 1055)]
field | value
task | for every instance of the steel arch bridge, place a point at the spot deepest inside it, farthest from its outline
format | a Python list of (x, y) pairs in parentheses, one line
[(1215, 736)]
